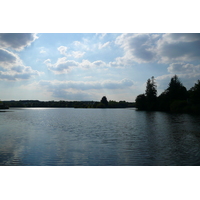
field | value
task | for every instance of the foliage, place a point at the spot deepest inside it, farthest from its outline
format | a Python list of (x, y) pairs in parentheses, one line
[(178, 106), (151, 94), (141, 102), (176, 91), (175, 98), (148, 100), (70, 104), (104, 101), (194, 93)]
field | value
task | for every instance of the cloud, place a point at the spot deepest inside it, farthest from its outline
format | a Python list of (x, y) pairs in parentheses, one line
[(182, 68), (82, 89), (88, 85), (8, 59), (187, 79), (137, 47), (161, 48), (75, 54), (179, 47), (13, 68), (181, 37), (101, 46), (101, 35), (15, 74), (74, 96), (16, 41), (42, 51), (187, 72), (63, 65), (82, 45), (62, 50)]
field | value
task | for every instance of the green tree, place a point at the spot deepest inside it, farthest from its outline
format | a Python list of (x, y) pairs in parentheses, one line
[(194, 93), (151, 94), (104, 101), (140, 102), (176, 91), (174, 97)]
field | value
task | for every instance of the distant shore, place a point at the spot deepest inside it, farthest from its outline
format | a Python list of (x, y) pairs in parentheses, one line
[(67, 104)]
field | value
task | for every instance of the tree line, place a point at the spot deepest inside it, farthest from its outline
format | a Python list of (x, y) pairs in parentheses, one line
[(103, 103), (175, 98)]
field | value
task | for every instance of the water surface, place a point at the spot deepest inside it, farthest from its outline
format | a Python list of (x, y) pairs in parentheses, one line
[(98, 137)]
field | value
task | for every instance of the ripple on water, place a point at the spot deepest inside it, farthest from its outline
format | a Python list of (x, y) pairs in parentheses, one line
[(98, 137)]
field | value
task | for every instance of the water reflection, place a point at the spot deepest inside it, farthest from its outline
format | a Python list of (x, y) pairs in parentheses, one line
[(98, 137)]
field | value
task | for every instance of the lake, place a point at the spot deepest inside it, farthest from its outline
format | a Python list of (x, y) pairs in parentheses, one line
[(98, 137)]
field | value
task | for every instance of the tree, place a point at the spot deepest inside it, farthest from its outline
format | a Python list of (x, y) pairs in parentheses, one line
[(148, 100), (174, 97), (104, 101), (194, 93), (151, 94), (140, 102), (176, 91)]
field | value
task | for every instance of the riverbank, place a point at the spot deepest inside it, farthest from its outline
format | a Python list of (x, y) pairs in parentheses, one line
[(68, 104)]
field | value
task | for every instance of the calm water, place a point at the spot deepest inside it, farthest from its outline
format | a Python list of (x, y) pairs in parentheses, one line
[(98, 137)]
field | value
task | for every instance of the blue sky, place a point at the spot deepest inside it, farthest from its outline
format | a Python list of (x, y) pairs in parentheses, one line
[(81, 66)]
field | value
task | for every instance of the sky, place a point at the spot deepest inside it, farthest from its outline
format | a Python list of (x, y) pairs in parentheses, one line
[(53, 66), (87, 66)]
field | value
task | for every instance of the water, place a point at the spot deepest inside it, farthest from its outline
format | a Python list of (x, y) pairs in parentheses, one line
[(98, 137)]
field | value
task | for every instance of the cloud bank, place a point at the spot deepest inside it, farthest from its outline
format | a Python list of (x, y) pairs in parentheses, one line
[(84, 90)]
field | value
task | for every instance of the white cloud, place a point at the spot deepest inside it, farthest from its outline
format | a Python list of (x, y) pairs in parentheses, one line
[(138, 47), (187, 79), (65, 66), (182, 68), (101, 35), (181, 37), (8, 59), (61, 66), (87, 77), (84, 90), (101, 46), (87, 85), (187, 73), (62, 50), (77, 54), (178, 47), (16, 41), (82, 45), (14, 68), (161, 48), (17, 74), (42, 51)]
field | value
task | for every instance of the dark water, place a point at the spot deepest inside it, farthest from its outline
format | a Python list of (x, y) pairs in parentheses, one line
[(98, 137)]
